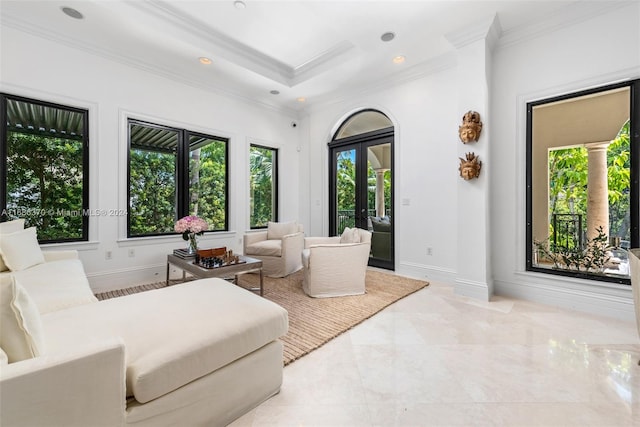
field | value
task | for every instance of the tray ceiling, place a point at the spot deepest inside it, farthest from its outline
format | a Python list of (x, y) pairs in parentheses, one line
[(316, 50)]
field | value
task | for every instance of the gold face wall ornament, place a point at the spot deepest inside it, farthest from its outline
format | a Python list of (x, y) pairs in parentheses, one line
[(471, 127), (470, 167)]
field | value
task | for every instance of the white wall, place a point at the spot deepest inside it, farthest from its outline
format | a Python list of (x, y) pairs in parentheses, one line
[(426, 119), (425, 111), (592, 52), (37, 68)]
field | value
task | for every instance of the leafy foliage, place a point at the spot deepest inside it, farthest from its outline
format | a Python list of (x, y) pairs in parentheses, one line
[(208, 186), (45, 184), (592, 258), (152, 192), (262, 186), (153, 188), (568, 170)]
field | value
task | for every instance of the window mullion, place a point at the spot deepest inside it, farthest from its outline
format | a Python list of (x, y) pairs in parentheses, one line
[(182, 171)]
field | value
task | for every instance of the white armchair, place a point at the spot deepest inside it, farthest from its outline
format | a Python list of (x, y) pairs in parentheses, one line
[(336, 266), (278, 248)]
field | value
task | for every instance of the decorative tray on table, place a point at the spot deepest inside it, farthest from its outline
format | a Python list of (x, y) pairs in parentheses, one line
[(216, 258)]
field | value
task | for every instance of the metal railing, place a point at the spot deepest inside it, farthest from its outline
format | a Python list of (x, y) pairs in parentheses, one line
[(347, 218), (567, 231)]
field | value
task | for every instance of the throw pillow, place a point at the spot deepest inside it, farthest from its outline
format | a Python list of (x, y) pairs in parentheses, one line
[(3, 357), (381, 225), (277, 230), (350, 235), (11, 226), (8, 228), (21, 332), (20, 250)]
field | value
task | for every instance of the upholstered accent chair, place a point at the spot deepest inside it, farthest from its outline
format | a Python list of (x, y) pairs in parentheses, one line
[(336, 266), (279, 248)]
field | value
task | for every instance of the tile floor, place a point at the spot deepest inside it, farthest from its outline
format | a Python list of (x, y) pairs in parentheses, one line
[(438, 359)]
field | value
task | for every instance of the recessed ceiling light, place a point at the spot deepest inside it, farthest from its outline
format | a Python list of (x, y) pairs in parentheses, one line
[(71, 12), (274, 92), (398, 59), (388, 36), (239, 4), (204, 60), (302, 99)]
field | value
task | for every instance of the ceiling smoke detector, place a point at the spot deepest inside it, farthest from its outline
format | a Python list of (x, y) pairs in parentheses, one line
[(71, 12), (388, 36)]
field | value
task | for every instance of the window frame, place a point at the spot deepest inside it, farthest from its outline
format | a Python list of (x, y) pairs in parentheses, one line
[(182, 174), (4, 98), (634, 179), (275, 185)]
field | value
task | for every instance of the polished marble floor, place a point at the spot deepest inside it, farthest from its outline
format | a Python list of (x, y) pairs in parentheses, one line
[(438, 359)]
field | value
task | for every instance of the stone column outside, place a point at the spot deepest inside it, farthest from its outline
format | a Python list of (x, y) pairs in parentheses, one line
[(597, 189), (380, 210)]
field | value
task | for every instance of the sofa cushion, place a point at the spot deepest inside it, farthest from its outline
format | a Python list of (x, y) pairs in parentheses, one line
[(56, 285), (8, 228), (172, 335), (265, 248), (20, 324), (20, 250), (277, 230), (350, 235)]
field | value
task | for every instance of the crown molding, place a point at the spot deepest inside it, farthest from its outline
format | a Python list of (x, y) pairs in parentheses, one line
[(485, 29), (240, 54), (432, 66), (116, 56), (569, 15)]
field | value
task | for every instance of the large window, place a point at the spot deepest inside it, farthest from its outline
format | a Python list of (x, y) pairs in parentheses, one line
[(582, 182), (174, 173), (263, 163), (45, 172)]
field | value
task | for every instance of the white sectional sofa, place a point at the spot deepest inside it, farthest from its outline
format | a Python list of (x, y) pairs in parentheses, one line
[(199, 353)]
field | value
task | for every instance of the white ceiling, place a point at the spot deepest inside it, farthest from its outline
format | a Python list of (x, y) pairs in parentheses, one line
[(319, 50)]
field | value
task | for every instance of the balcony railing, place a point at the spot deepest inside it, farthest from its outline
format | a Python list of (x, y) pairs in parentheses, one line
[(567, 231), (347, 218)]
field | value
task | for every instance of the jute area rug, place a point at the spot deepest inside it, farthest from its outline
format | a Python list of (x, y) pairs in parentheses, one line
[(315, 321)]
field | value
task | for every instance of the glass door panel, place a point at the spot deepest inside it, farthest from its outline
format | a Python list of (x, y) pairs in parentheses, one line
[(346, 188), (379, 201), (361, 192)]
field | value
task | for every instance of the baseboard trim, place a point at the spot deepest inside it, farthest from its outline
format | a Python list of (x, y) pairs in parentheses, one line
[(426, 272), (616, 304), (104, 281), (472, 289)]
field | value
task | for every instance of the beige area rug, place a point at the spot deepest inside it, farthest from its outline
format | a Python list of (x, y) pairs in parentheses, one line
[(315, 321)]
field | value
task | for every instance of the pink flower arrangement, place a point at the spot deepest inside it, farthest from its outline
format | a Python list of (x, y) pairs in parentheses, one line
[(190, 225)]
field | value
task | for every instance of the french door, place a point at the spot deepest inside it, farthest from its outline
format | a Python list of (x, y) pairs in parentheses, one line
[(361, 190)]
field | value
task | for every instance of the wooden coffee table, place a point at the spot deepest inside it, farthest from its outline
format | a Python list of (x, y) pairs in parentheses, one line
[(229, 272)]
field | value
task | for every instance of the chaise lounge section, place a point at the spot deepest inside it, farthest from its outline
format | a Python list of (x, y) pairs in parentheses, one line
[(200, 353)]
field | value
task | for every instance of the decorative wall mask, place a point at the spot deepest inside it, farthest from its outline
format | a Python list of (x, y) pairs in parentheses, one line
[(471, 127), (470, 168)]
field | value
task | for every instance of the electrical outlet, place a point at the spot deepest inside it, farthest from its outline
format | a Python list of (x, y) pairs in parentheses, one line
[(132, 252), (429, 251), (108, 255)]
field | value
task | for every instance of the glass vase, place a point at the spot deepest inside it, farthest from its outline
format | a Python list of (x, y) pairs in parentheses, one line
[(192, 244)]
